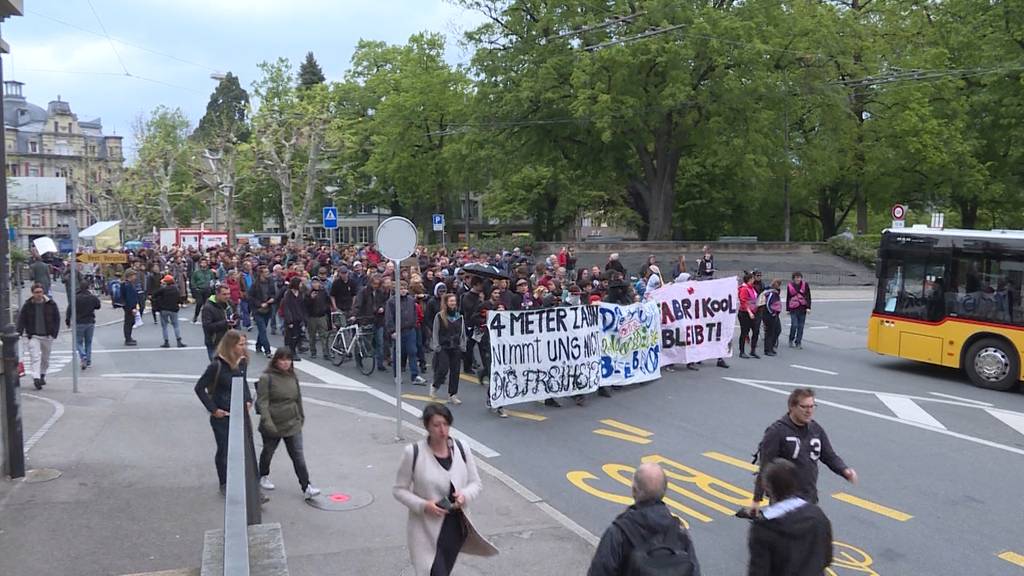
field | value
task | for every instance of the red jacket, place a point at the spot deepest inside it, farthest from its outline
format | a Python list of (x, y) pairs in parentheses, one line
[(748, 298)]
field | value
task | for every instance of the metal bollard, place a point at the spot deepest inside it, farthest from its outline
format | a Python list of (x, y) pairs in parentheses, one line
[(10, 409)]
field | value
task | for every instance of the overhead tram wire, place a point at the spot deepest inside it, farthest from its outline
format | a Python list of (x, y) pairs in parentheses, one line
[(109, 39)]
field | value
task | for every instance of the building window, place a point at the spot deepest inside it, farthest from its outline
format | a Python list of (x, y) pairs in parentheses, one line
[(63, 148), (12, 169), (33, 147), (92, 149), (33, 171), (35, 219), (69, 127), (56, 127), (363, 234)]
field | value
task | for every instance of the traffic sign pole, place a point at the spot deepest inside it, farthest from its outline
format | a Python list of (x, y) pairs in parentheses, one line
[(75, 360)]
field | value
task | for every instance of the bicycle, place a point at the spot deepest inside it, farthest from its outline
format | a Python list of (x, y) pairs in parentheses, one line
[(354, 341)]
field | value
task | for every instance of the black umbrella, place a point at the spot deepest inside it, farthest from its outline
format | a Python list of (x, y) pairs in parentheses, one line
[(484, 271)]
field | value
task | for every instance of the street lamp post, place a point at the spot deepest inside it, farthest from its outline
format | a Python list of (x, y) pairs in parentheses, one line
[(10, 405)]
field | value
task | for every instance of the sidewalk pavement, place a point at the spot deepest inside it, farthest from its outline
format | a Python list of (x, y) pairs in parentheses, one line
[(139, 490)]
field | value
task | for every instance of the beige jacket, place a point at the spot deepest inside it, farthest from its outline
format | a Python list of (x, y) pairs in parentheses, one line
[(430, 483)]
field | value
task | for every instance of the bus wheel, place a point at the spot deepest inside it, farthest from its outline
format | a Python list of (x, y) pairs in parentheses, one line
[(992, 364)]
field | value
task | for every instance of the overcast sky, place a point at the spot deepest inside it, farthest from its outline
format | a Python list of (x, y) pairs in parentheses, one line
[(59, 47)]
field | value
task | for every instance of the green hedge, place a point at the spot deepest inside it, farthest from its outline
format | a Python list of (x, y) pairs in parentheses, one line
[(860, 249), (491, 245)]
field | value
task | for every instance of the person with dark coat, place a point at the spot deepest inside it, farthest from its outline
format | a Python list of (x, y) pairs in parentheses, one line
[(39, 321), (645, 520), (471, 306), (792, 537), (218, 318), (448, 341), (167, 301), (131, 299), (318, 320), (39, 273), (86, 305), (294, 314), (214, 390), (262, 296), (404, 327), (797, 437), (343, 291)]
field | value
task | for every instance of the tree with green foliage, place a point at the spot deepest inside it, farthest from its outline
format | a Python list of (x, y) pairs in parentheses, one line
[(221, 130), (162, 142), (310, 73)]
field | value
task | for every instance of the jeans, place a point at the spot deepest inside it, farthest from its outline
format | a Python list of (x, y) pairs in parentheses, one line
[(408, 352), (378, 346), (220, 459), (796, 325), (129, 323), (262, 340), (84, 332), (169, 317), (294, 446), (243, 311)]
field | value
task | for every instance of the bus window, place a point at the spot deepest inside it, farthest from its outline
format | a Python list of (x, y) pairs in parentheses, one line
[(912, 288), (989, 288)]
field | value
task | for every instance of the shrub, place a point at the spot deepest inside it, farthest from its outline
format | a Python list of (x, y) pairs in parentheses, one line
[(859, 249)]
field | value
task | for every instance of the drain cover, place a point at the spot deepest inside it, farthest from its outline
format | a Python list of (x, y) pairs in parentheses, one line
[(41, 475), (341, 500)]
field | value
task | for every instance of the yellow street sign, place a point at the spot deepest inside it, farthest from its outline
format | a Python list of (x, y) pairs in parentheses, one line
[(113, 258)]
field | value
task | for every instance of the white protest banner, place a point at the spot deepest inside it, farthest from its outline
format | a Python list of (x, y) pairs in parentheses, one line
[(630, 343), (697, 319), (545, 353)]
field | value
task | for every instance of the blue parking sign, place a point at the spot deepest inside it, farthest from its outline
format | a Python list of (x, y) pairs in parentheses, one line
[(438, 222), (330, 217)]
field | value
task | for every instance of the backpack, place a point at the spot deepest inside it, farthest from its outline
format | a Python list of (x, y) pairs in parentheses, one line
[(116, 298), (661, 554), (416, 453)]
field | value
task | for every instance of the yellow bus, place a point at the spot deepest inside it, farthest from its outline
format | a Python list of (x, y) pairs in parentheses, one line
[(952, 298)]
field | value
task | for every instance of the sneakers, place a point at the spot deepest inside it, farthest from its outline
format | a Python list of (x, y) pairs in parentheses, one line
[(265, 483), (754, 355), (165, 344), (453, 399), (432, 393), (310, 492), (419, 381), (83, 365), (604, 392), (131, 343), (181, 344), (552, 402), (721, 363), (500, 412), (37, 383), (692, 366)]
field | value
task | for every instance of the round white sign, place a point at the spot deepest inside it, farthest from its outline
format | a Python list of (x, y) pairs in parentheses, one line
[(899, 211), (396, 238)]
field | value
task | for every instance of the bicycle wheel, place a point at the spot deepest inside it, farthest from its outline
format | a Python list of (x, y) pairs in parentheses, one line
[(338, 347), (364, 355)]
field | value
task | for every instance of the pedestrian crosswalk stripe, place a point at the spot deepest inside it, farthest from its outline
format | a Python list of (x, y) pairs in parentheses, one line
[(906, 409), (1014, 420)]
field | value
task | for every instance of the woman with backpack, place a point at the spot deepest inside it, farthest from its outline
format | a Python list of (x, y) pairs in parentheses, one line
[(214, 391), (449, 342), (437, 480), (771, 317), (279, 400), (798, 304)]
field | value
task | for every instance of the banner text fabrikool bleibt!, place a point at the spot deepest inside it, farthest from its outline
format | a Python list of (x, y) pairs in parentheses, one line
[(697, 319), (546, 353), (630, 343)]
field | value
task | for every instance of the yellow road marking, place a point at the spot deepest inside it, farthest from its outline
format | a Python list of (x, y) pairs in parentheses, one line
[(626, 427), (469, 378), (420, 397), (726, 459), (871, 506), (622, 436), (1013, 558), (526, 415)]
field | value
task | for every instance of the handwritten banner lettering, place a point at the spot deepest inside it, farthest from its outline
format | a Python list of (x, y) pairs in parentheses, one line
[(630, 343), (546, 353), (697, 319)]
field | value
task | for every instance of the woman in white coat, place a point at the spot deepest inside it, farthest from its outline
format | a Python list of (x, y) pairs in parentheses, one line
[(436, 481)]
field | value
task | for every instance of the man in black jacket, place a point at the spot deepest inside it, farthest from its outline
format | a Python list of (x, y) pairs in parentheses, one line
[(403, 327), (471, 305), (86, 305), (166, 301), (262, 295), (642, 522), (798, 438), (792, 537), (294, 314), (343, 291), (218, 318), (39, 320), (318, 320)]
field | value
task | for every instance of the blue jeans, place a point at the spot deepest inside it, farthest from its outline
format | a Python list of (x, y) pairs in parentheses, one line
[(796, 325), (378, 346), (408, 352), (243, 310), (168, 317), (262, 340), (84, 332)]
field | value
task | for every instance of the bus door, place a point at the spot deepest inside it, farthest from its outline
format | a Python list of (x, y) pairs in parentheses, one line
[(912, 297)]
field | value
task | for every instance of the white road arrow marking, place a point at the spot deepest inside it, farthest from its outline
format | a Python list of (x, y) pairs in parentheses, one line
[(906, 409)]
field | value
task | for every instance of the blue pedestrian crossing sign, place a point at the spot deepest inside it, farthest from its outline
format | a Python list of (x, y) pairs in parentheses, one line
[(438, 222), (330, 217)]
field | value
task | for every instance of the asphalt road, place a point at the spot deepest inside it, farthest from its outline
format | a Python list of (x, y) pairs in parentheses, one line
[(939, 460)]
